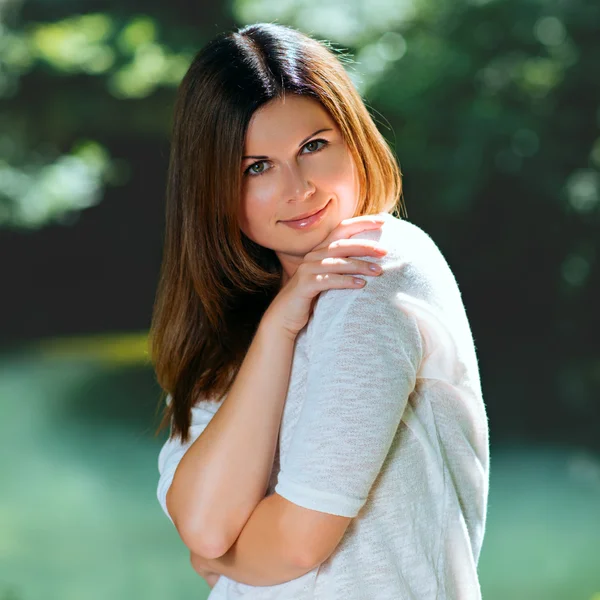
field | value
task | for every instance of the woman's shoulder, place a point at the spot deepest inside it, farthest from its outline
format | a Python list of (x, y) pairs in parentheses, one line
[(386, 304), (413, 268), (404, 241)]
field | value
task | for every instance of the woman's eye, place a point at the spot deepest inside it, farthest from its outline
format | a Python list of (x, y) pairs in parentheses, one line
[(324, 142), (251, 170)]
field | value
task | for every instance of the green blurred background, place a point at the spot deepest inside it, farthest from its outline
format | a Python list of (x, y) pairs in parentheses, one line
[(493, 109)]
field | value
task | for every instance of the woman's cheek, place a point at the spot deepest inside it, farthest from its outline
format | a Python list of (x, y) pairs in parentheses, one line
[(254, 208), (334, 171), (259, 208), (263, 190)]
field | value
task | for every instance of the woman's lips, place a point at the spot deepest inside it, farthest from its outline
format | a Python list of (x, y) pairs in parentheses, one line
[(308, 221)]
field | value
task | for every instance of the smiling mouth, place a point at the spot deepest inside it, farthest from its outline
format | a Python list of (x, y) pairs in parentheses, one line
[(307, 215)]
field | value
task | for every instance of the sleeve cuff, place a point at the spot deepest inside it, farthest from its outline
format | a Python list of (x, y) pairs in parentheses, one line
[(163, 487), (327, 502)]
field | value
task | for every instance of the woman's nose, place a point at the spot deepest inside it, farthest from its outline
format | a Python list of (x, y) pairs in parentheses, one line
[(298, 185)]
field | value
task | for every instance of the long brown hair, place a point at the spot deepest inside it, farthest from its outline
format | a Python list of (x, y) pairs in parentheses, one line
[(215, 283)]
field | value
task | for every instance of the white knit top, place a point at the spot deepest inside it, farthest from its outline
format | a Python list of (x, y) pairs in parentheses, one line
[(384, 421)]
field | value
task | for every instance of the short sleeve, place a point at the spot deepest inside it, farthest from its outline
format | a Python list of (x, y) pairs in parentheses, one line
[(364, 355), (173, 449)]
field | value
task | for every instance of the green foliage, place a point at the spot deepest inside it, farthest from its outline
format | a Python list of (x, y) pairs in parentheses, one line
[(471, 90), (38, 183)]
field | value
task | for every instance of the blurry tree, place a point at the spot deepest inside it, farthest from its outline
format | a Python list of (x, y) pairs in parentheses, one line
[(67, 85)]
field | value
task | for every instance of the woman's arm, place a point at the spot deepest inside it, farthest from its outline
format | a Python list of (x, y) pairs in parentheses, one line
[(225, 473), (198, 564), (265, 553)]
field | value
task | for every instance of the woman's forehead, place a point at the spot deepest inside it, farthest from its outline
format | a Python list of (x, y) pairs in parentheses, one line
[(285, 120)]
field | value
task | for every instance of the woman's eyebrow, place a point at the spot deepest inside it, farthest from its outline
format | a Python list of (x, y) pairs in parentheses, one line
[(301, 143)]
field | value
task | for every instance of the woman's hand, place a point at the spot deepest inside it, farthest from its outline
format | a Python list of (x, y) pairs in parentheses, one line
[(326, 267), (200, 567)]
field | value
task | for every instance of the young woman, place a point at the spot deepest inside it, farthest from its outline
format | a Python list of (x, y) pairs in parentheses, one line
[(328, 434)]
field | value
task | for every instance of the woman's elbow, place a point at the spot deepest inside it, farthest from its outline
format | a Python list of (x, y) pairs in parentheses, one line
[(193, 531), (198, 543)]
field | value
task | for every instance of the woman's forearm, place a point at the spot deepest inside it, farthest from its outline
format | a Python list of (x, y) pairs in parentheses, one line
[(225, 473), (263, 554)]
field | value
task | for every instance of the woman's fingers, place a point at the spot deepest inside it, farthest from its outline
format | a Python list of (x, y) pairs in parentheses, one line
[(348, 227), (352, 247)]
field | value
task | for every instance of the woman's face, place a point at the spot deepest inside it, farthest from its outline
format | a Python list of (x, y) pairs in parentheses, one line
[(296, 162)]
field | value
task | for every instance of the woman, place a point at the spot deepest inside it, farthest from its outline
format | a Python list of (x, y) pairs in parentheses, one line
[(328, 437)]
